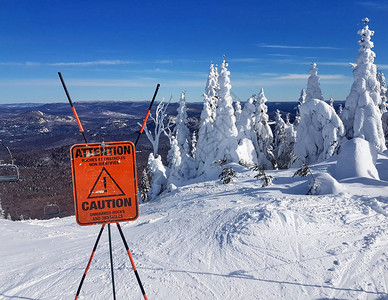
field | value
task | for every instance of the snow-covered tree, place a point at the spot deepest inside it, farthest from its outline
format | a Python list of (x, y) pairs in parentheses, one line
[(225, 123), (264, 141), (193, 144), (361, 115), (158, 173), (383, 92), (245, 125), (145, 186), (384, 120), (160, 115), (284, 140), (157, 170), (301, 100), (331, 102), (384, 105), (246, 135), (313, 89), (339, 110), (288, 122), (174, 159), (280, 126), (319, 132), (181, 130), (204, 155), (237, 110), (182, 134), (302, 97)]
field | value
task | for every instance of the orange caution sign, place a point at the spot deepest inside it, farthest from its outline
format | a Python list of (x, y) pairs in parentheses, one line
[(104, 182)]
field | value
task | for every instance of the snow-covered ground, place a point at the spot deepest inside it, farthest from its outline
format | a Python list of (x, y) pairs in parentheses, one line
[(208, 240)]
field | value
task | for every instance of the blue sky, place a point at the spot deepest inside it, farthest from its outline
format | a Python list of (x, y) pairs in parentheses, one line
[(120, 50)]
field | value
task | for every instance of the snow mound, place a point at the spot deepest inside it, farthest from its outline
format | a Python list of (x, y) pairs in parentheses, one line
[(325, 184), (357, 159)]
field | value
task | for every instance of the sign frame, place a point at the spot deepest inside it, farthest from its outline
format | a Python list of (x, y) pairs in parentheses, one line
[(104, 182)]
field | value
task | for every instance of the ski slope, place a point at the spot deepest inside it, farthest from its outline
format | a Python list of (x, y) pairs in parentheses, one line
[(207, 240)]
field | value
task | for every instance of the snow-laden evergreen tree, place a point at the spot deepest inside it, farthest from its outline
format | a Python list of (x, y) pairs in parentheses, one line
[(182, 134), (205, 152), (246, 134), (384, 105), (213, 87), (319, 132), (302, 97), (383, 92), (361, 115), (145, 186), (181, 130), (158, 173), (331, 102), (288, 122), (301, 100), (245, 125), (174, 159), (284, 140), (279, 130), (339, 110), (313, 89), (225, 129), (237, 110), (264, 141), (193, 144)]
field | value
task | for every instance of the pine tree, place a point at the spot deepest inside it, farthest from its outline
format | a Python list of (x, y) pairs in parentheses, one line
[(174, 159), (361, 115), (145, 186), (319, 132), (284, 140), (205, 150), (302, 97), (383, 92), (237, 110), (245, 125), (182, 134), (246, 134), (225, 122), (193, 144), (339, 110), (313, 89), (158, 173), (181, 129), (264, 142), (331, 102), (301, 100), (279, 132), (384, 105)]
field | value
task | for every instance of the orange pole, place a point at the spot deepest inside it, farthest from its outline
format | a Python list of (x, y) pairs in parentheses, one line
[(132, 262), (90, 261)]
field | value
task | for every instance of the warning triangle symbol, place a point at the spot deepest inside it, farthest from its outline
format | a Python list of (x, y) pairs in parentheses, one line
[(105, 186)]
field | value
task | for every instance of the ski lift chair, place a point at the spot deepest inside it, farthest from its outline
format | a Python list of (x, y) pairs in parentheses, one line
[(51, 209), (8, 171)]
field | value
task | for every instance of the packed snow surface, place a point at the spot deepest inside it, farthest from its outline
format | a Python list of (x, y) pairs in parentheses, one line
[(208, 240)]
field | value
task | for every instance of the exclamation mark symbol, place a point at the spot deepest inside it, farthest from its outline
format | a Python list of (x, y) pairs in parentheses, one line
[(105, 190)]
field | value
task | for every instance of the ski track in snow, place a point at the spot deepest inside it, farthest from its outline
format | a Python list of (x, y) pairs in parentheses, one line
[(207, 240)]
